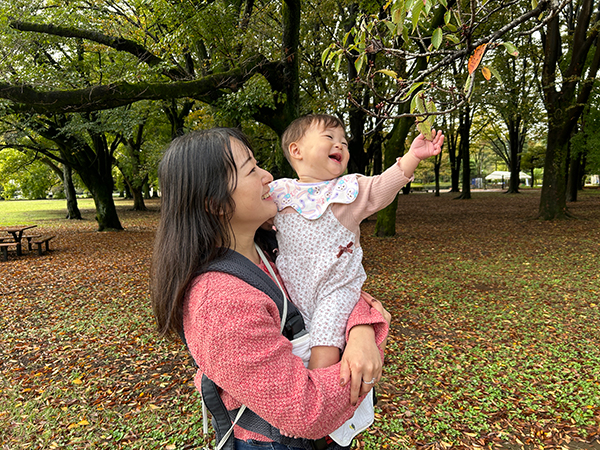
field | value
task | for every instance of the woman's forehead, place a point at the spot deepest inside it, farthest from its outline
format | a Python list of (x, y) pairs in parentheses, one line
[(241, 152)]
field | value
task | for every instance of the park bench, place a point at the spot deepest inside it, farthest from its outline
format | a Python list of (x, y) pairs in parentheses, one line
[(29, 238), (40, 241), (5, 245)]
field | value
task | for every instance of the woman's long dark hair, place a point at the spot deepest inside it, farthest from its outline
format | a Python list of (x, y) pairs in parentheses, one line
[(197, 176)]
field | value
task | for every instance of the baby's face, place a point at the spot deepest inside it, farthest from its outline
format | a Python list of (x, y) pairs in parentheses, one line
[(324, 154)]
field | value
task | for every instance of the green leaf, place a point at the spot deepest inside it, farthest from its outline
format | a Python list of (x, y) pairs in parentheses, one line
[(511, 49), (436, 39), (360, 61), (413, 104), (534, 4), (392, 27), (452, 38), (457, 17), (451, 27), (424, 128), (389, 73), (427, 6), (467, 84), (325, 55), (496, 74), (346, 36), (447, 17), (420, 102), (412, 89), (338, 62), (444, 3), (397, 16), (416, 14)]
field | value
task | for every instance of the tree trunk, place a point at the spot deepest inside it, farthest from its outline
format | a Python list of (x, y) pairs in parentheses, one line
[(553, 204), (375, 149), (137, 193), (516, 140), (454, 163), (465, 154), (70, 194), (386, 218), (98, 178), (437, 163), (574, 180), (106, 212), (566, 96)]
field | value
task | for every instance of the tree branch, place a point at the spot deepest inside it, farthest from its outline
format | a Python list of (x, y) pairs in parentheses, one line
[(206, 89)]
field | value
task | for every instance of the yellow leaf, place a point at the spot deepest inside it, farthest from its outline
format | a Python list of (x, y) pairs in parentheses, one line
[(83, 422), (77, 381), (487, 73)]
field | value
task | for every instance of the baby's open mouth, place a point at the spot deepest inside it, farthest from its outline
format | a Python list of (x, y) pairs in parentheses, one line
[(336, 156)]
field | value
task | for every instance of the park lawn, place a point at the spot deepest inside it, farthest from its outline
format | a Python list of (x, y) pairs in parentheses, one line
[(27, 212), (494, 340)]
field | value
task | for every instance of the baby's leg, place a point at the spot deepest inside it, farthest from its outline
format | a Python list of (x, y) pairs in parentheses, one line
[(323, 356)]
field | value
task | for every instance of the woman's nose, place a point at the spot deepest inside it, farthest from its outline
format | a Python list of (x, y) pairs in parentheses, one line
[(267, 177)]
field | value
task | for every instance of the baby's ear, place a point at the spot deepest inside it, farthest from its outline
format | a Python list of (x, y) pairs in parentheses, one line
[(294, 151)]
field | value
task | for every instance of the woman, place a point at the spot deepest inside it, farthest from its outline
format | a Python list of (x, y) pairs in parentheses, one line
[(215, 198)]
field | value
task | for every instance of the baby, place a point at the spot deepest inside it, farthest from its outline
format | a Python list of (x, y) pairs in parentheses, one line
[(318, 227)]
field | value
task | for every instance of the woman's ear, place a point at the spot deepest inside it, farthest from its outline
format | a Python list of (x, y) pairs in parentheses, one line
[(294, 151)]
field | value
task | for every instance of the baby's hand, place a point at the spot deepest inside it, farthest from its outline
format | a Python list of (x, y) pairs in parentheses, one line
[(422, 148)]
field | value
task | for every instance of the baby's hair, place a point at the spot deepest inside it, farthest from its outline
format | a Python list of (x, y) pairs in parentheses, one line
[(296, 130)]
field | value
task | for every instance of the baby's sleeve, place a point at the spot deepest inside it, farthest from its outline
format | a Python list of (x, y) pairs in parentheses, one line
[(377, 192)]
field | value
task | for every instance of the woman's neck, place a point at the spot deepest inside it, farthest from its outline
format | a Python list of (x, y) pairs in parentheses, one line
[(244, 245)]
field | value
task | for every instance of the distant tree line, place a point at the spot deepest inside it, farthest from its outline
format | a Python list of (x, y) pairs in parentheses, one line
[(96, 92)]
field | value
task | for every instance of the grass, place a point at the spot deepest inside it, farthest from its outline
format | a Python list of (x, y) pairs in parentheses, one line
[(26, 212), (494, 341)]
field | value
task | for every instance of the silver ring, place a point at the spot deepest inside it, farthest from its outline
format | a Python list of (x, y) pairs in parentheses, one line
[(369, 382)]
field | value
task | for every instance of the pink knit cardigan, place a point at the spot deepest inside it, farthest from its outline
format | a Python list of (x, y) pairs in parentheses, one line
[(232, 331)]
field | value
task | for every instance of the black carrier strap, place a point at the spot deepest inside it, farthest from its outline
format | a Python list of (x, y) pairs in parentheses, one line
[(239, 266)]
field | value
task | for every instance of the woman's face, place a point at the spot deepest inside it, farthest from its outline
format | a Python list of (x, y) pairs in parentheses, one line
[(253, 204)]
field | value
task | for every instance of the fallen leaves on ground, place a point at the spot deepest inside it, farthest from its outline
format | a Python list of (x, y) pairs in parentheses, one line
[(494, 340)]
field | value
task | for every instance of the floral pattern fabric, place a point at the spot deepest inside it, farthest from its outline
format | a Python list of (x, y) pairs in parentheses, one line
[(312, 199)]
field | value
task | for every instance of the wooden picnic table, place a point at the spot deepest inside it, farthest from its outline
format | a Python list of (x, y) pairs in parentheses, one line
[(17, 234)]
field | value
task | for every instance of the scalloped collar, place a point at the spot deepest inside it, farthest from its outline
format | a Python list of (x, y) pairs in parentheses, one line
[(312, 199)]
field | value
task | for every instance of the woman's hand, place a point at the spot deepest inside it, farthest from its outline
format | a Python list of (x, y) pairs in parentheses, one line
[(361, 361)]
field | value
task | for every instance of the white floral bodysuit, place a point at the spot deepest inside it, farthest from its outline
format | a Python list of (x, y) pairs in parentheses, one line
[(320, 258)]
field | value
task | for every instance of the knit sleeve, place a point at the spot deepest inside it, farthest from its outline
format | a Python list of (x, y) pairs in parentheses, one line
[(377, 192), (232, 331)]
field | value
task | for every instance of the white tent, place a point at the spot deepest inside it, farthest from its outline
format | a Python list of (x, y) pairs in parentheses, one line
[(499, 175)]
